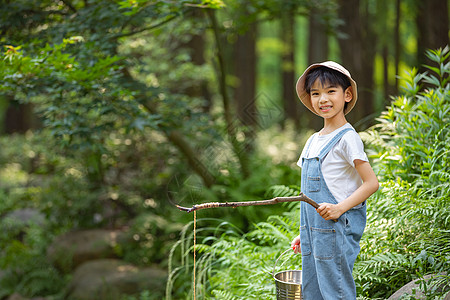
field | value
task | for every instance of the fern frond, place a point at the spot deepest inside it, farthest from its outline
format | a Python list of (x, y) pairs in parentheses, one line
[(223, 295), (282, 191)]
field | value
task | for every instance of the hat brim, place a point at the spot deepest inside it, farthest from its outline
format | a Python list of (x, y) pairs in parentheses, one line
[(304, 96)]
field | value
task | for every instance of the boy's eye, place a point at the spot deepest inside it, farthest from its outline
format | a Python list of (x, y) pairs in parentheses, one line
[(314, 93), (331, 91)]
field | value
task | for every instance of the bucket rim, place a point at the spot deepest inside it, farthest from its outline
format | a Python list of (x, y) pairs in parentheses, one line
[(285, 282)]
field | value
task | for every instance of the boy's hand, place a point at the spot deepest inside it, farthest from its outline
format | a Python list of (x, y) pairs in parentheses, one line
[(295, 245), (329, 211)]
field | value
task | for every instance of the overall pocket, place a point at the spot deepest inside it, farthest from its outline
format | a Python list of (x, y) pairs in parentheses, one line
[(305, 242), (313, 184), (324, 243)]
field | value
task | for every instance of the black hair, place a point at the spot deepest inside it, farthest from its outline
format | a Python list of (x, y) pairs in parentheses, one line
[(327, 76)]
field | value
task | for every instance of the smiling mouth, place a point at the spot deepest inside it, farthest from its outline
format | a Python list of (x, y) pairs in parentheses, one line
[(325, 108)]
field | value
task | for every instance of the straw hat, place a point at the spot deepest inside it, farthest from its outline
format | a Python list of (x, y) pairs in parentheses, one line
[(304, 96)]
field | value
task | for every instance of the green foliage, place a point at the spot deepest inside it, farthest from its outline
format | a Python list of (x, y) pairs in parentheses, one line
[(406, 237), (410, 220), (79, 84), (79, 100), (411, 139), (23, 259), (151, 237), (144, 295), (39, 177)]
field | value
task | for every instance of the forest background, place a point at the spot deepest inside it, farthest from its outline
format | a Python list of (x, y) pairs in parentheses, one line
[(112, 112)]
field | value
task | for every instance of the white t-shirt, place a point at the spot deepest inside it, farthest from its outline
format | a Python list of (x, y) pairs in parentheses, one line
[(338, 166)]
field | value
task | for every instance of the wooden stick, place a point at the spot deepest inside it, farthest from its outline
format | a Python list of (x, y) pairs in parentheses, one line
[(276, 200)]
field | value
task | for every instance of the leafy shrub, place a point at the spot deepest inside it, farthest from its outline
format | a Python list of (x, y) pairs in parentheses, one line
[(41, 177), (411, 139), (408, 233), (23, 259)]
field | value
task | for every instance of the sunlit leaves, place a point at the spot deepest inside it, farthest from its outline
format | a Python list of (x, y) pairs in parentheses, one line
[(417, 123), (408, 222), (11, 52)]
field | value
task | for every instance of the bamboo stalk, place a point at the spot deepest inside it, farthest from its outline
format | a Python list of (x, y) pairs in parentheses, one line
[(276, 200)]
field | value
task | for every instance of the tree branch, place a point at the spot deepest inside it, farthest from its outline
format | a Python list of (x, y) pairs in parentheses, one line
[(153, 26), (276, 200), (176, 138)]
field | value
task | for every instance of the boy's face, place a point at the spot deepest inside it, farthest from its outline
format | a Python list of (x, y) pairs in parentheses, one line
[(329, 100)]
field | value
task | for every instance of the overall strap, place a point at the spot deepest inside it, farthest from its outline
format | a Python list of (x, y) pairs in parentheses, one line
[(331, 143)]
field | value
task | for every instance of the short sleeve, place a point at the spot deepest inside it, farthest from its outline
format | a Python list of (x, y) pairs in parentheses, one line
[(307, 144), (352, 148)]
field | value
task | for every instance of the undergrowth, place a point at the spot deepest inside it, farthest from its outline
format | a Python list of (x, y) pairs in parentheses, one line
[(238, 265)]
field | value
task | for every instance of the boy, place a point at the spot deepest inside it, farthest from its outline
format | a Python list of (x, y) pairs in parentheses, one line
[(336, 174)]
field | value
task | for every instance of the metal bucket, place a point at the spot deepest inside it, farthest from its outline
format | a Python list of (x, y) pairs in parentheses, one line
[(288, 283)]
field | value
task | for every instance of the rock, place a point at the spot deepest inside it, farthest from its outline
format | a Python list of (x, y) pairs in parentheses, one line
[(110, 279), (74, 248), (16, 222), (26, 216), (413, 288), (16, 296), (447, 297)]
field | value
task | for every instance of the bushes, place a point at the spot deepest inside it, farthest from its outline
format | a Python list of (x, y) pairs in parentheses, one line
[(406, 238), (411, 140), (38, 176), (408, 233)]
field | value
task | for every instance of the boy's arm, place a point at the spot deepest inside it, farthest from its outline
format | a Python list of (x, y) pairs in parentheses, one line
[(370, 185)]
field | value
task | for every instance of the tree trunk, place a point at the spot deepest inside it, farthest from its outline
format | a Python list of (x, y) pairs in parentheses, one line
[(197, 46), (231, 126), (397, 44), (19, 117), (317, 52), (245, 71), (244, 94), (357, 52), (173, 135), (432, 24), (318, 39), (178, 140), (388, 44), (386, 86), (290, 100)]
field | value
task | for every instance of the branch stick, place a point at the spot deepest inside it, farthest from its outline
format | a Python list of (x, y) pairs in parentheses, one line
[(276, 200)]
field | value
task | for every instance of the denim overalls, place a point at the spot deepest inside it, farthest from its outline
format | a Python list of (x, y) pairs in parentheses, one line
[(329, 249)]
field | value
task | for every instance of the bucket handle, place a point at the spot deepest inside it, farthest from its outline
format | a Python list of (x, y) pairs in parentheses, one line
[(273, 272)]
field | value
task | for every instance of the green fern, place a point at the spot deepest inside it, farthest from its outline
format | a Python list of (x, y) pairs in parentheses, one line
[(282, 191), (223, 295)]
